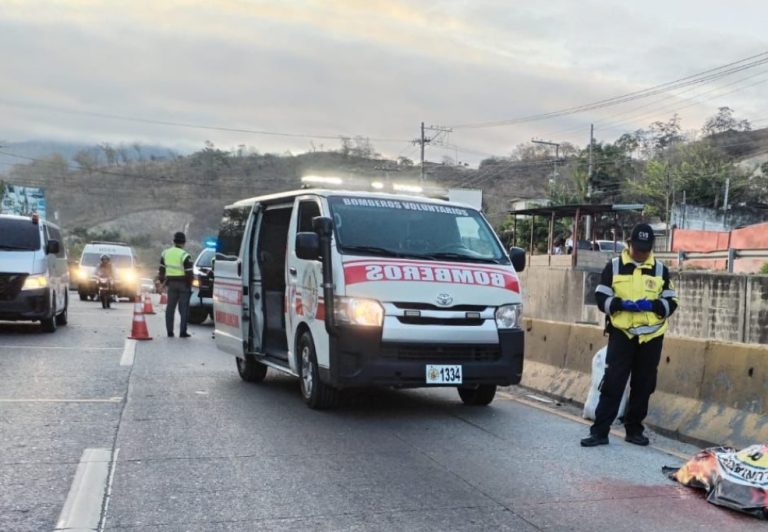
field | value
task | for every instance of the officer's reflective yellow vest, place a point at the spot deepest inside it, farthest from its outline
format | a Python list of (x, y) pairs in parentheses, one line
[(635, 286), (174, 261)]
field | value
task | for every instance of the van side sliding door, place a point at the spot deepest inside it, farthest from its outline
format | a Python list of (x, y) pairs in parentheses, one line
[(231, 308)]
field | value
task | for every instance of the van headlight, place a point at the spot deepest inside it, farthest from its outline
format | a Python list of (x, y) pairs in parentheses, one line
[(354, 311), (82, 275), (34, 282), (508, 316), (129, 276)]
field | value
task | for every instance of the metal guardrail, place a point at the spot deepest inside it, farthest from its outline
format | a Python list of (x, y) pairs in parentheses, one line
[(729, 255)]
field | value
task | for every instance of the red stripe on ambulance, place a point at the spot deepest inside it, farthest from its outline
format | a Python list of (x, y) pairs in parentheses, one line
[(425, 272)]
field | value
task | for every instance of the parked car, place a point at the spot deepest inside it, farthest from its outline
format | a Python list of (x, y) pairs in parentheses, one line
[(201, 301), (34, 278), (609, 246)]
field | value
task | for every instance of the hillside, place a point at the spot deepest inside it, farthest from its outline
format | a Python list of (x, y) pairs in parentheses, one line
[(152, 199)]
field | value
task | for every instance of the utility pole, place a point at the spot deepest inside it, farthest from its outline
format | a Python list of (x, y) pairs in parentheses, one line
[(423, 140), (557, 155), (725, 199), (588, 223)]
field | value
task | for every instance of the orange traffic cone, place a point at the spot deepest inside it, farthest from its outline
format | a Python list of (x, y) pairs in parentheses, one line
[(148, 304), (139, 328), (163, 300)]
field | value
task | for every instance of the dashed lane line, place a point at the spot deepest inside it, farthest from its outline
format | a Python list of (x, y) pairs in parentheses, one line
[(129, 353), (60, 347), (35, 400), (83, 508)]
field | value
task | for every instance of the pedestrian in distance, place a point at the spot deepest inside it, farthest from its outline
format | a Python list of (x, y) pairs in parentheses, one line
[(176, 274), (638, 297)]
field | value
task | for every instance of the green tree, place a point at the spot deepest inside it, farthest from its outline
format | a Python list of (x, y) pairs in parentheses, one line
[(724, 121)]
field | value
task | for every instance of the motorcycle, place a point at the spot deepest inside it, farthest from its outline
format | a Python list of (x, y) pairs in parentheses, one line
[(105, 291)]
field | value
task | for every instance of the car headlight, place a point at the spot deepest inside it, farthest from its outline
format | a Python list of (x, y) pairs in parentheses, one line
[(82, 275), (508, 316), (33, 282), (196, 282), (354, 311), (129, 276)]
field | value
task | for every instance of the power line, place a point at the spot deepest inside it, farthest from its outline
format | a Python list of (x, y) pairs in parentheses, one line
[(694, 79), (336, 136)]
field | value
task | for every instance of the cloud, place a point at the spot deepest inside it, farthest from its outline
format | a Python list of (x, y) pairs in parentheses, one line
[(376, 68)]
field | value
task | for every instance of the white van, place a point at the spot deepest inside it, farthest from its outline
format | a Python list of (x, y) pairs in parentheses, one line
[(34, 277), (123, 264), (353, 289)]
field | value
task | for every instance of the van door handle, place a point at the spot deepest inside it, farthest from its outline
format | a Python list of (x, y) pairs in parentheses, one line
[(292, 271)]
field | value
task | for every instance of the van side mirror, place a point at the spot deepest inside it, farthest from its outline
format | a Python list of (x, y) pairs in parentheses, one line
[(518, 258), (322, 225), (53, 247), (308, 246)]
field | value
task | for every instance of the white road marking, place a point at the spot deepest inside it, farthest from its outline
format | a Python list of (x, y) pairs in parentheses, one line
[(85, 500), (110, 400), (129, 352), (70, 348)]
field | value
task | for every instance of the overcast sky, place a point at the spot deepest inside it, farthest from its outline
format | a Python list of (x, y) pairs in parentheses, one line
[(367, 67)]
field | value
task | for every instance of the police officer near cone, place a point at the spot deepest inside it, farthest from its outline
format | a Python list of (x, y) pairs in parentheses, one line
[(176, 273), (638, 297)]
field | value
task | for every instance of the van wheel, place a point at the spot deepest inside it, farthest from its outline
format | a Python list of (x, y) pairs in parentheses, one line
[(250, 370), (63, 318), (197, 315), (83, 297), (480, 396), (317, 394)]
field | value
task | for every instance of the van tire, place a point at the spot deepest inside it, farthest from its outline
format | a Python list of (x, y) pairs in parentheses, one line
[(83, 297), (316, 393), (250, 370), (197, 315), (63, 318), (480, 396)]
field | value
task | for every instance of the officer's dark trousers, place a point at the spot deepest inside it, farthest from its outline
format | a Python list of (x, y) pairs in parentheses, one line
[(178, 294), (625, 357)]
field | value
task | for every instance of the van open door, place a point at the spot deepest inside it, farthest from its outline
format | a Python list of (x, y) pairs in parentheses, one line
[(231, 305)]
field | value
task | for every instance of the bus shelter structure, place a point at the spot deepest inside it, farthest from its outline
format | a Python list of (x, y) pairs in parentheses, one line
[(577, 212)]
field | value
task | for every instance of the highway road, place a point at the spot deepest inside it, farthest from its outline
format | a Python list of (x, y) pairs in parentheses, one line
[(100, 433)]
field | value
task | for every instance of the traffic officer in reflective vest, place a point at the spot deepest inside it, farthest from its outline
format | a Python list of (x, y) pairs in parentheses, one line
[(638, 297), (176, 273)]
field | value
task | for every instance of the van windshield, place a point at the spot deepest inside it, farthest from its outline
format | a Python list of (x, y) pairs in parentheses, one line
[(118, 261), (413, 229), (19, 235)]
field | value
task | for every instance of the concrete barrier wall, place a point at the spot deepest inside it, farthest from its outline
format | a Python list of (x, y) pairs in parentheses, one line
[(707, 391), (716, 306)]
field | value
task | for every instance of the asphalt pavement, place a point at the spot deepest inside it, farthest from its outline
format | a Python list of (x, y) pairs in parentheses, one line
[(102, 433)]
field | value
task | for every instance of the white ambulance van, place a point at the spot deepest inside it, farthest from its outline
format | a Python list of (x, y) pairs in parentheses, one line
[(355, 289)]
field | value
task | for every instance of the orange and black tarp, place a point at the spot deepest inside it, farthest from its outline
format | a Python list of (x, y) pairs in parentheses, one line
[(732, 478)]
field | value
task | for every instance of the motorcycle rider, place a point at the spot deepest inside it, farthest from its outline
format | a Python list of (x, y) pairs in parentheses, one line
[(104, 269)]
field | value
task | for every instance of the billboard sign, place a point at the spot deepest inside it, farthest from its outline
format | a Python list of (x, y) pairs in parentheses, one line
[(22, 201)]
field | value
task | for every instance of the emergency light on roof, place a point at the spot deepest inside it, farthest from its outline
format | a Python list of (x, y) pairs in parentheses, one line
[(378, 185), (407, 188), (321, 179)]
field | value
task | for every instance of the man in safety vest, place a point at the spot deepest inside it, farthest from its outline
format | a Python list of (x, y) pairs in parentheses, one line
[(176, 273), (638, 297)]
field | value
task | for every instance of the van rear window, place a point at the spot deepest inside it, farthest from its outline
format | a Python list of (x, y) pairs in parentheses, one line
[(19, 235)]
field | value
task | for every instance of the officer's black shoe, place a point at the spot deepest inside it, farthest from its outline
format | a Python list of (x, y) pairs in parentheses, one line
[(637, 439), (594, 441), (170, 335), (185, 335)]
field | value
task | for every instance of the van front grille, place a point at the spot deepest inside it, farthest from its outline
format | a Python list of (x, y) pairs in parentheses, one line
[(10, 285), (452, 353)]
